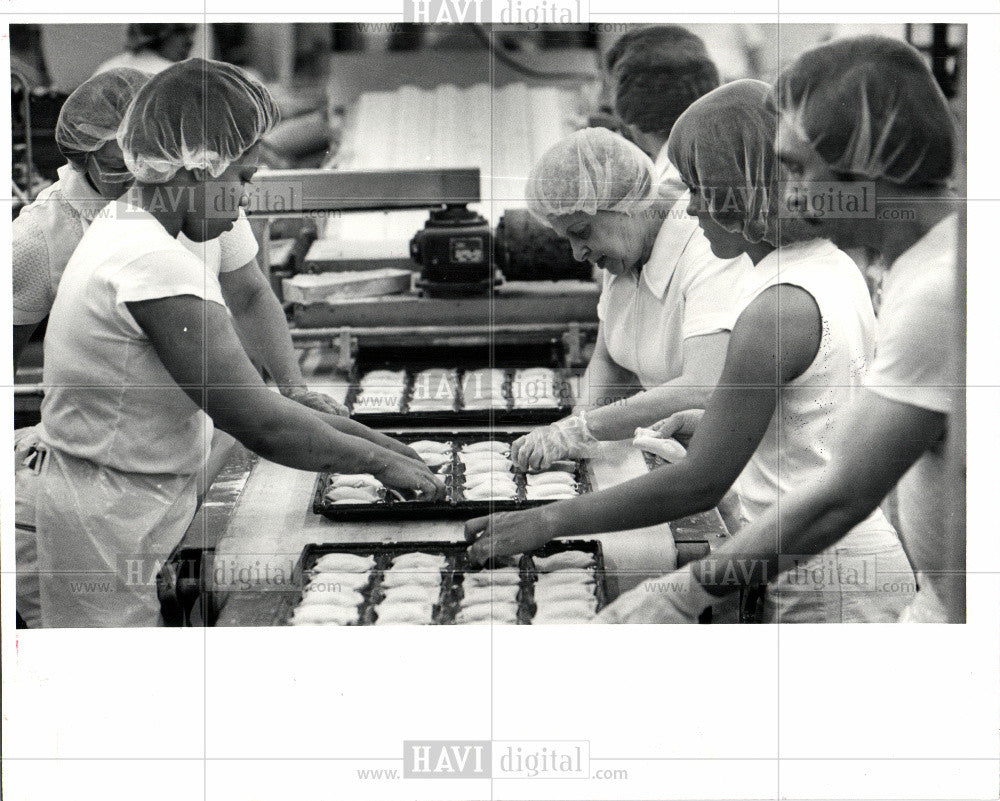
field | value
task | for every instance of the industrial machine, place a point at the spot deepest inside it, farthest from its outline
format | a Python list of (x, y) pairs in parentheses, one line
[(454, 250)]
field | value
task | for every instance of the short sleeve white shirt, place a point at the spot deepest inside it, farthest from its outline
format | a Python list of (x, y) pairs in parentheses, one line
[(108, 397), (683, 291), (46, 233), (914, 364)]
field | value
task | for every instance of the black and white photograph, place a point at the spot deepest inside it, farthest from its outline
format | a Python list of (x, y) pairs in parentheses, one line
[(477, 317)]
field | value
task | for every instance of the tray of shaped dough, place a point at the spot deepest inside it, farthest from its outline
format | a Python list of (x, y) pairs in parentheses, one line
[(392, 395), (433, 583), (477, 473)]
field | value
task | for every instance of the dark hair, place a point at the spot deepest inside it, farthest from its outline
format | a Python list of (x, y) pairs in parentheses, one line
[(659, 71)]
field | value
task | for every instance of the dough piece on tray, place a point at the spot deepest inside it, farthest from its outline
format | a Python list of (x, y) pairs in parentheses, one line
[(496, 613), (381, 391), (412, 576), (491, 492), (572, 611), (501, 576), (323, 615), (486, 446), (417, 560), (403, 613), (341, 597), (549, 478), (424, 593), (357, 480), (563, 560), (423, 446), (549, 593), (549, 492), (500, 477), (497, 593), (335, 582), (484, 389), (570, 575), (343, 563), (434, 390), (488, 462), (366, 494), (534, 388)]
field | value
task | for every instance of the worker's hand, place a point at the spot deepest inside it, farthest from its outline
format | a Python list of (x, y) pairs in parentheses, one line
[(569, 438), (506, 534), (314, 400), (412, 477), (680, 426), (674, 598)]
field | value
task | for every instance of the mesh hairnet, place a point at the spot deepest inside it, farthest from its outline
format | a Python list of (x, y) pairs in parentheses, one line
[(90, 117), (658, 72), (871, 109), (591, 170), (723, 147), (196, 114)]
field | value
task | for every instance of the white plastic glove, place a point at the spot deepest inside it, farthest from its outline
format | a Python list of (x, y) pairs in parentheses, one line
[(569, 438), (675, 598)]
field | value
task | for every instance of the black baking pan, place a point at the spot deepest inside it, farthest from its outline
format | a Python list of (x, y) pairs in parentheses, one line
[(392, 507), (458, 414), (453, 575)]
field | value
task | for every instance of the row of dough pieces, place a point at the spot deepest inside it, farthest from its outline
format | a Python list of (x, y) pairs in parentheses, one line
[(564, 592), (488, 472), (436, 389)]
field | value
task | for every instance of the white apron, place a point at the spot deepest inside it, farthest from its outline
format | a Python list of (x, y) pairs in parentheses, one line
[(102, 537)]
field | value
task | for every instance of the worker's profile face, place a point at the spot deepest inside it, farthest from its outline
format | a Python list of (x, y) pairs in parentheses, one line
[(719, 230), (107, 171), (807, 183), (609, 240), (218, 201)]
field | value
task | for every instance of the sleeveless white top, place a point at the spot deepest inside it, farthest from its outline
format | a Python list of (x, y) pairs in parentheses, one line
[(798, 443)]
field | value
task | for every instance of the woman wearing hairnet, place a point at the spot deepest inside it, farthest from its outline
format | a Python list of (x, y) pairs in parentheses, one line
[(47, 232), (867, 114), (141, 357), (667, 302), (799, 347)]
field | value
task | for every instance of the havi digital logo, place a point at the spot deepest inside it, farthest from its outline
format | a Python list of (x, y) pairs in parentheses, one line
[(443, 759)]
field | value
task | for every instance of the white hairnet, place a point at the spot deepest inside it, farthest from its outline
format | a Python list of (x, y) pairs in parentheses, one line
[(90, 117), (591, 170), (196, 114), (723, 147), (871, 108)]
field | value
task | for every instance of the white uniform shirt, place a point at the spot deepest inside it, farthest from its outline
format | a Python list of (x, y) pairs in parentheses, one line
[(914, 365), (799, 440), (108, 397), (46, 233), (147, 61), (682, 291)]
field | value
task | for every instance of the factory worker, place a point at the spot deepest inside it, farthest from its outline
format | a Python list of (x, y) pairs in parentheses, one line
[(658, 71), (152, 47), (798, 350), (666, 306), (141, 357), (46, 233), (868, 110)]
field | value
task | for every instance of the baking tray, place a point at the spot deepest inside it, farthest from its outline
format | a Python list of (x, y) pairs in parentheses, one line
[(455, 507), (459, 414), (452, 576)]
